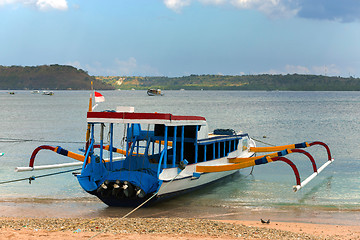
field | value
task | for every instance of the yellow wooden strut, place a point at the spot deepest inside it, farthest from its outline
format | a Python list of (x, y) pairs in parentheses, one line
[(240, 160), (73, 155), (229, 167), (163, 143), (274, 149), (118, 150)]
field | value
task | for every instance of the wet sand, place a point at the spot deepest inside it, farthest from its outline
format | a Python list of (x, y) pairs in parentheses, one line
[(94, 208), (166, 228), (60, 219)]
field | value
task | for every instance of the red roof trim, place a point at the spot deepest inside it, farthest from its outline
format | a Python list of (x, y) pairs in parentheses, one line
[(143, 116)]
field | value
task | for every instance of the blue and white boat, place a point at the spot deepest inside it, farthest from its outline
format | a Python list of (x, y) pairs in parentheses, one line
[(133, 157), (159, 148)]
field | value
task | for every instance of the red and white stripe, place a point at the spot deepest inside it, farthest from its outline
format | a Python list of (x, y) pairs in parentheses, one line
[(150, 118), (99, 97)]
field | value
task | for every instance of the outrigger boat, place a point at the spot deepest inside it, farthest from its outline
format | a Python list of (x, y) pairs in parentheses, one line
[(154, 92), (158, 155)]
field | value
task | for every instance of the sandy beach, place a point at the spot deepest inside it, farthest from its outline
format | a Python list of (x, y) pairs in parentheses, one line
[(166, 228)]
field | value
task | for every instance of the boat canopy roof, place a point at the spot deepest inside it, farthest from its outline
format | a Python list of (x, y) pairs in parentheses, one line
[(145, 118)]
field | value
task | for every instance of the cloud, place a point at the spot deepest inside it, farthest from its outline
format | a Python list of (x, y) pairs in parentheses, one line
[(176, 5), (76, 64), (131, 67), (271, 8), (42, 5), (329, 70), (4, 2), (118, 67), (45, 5), (334, 10), (126, 67), (296, 69), (213, 2)]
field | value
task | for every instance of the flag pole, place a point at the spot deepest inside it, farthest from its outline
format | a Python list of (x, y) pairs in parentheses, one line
[(90, 110)]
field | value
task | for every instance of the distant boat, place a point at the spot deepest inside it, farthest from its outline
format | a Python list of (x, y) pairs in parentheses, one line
[(2, 154), (154, 92), (12, 93), (35, 92), (50, 93)]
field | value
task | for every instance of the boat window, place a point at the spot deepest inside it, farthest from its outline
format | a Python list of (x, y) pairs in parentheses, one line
[(216, 150), (189, 131)]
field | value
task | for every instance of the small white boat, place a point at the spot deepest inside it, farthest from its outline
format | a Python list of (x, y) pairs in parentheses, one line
[(50, 93)]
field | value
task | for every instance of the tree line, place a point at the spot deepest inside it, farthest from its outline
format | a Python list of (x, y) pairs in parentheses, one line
[(64, 77), (269, 82), (53, 77)]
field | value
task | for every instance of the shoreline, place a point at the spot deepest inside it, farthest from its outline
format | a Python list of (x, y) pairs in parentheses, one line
[(94, 208), (166, 228)]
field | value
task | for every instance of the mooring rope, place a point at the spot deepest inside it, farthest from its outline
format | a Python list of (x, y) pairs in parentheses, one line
[(40, 176), (257, 140), (13, 140)]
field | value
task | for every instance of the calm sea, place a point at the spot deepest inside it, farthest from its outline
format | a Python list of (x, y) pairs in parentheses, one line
[(276, 118)]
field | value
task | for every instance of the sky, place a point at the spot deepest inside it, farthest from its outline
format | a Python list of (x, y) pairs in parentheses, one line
[(181, 37)]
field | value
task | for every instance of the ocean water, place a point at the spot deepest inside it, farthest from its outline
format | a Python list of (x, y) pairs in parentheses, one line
[(276, 118)]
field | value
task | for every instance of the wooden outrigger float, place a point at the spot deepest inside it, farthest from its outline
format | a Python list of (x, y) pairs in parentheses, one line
[(153, 156)]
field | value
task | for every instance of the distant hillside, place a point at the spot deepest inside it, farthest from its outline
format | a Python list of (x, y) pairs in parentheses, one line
[(292, 82), (48, 77), (67, 77)]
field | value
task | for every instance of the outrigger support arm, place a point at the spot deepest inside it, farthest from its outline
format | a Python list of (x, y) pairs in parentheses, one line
[(279, 148), (239, 163), (308, 155), (292, 165), (277, 154), (67, 153), (236, 166), (292, 146), (58, 150), (325, 146), (107, 148)]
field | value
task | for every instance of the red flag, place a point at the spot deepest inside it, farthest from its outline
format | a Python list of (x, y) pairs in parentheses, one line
[(99, 97)]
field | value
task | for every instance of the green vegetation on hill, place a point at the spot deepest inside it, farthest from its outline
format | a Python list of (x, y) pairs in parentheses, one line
[(48, 77), (291, 82), (67, 77)]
